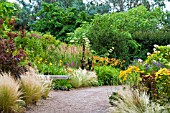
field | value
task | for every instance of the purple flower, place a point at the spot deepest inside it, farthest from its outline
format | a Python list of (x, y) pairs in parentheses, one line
[(72, 64), (147, 66), (157, 64), (67, 64), (140, 60)]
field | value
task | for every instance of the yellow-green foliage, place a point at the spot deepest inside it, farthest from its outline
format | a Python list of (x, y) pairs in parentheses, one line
[(161, 54), (9, 93)]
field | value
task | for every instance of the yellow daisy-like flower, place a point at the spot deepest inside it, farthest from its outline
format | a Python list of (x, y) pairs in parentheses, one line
[(162, 71), (40, 59), (50, 64), (124, 78), (122, 73), (137, 69), (61, 62)]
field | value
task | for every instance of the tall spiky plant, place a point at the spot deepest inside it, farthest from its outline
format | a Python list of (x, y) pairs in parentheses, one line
[(9, 93)]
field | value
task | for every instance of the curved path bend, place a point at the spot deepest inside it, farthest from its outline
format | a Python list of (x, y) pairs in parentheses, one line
[(85, 100)]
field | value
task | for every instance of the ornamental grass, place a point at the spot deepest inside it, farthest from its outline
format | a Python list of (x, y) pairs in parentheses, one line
[(32, 89), (133, 101), (83, 78), (9, 94)]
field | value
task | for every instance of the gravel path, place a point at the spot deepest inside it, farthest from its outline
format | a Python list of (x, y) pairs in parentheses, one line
[(85, 100)]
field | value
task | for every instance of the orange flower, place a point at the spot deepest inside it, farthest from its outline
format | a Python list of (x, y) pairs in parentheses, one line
[(95, 57)]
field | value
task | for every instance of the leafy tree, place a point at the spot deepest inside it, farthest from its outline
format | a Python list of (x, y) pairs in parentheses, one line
[(58, 21), (96, 6), (111, 33), (167, 21), (30, 8), (6, 17), (27, 12)]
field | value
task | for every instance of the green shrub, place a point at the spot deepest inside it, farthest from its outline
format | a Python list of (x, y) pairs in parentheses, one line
[(114, 31), (61, 85), (107, 75), (9, 94), (148, 39)]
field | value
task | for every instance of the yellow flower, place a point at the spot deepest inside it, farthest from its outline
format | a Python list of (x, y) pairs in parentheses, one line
[(162, 71), (160, 77), (40, 59), (39, 62), (137, 69), (140, 79), (61, 62), (50, 64), (124, 78), (122, 73)]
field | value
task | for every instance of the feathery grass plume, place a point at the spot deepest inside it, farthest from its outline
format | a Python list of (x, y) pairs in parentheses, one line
[(46, 82), (9, 94), (32, 89), (83, 78), (31, 71), (34, 86), (131, 101)]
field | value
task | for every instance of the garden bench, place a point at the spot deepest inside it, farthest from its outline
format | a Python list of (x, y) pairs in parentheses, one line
[(57, 77)]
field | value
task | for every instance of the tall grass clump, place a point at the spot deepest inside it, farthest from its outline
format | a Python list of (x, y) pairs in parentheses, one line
[(9, 94), (31, 87), (34, 87), (46, 85), (131, 101), (70, 54), (83, 78)]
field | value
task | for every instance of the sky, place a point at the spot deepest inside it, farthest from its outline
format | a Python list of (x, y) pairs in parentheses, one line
[(167, 3)]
